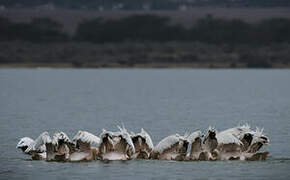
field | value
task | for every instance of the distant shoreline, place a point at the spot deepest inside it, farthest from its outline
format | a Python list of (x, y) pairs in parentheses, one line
[(20, 54)]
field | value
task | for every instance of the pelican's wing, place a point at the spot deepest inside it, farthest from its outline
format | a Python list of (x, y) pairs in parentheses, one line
[(86, 137), (227, 138), (238, 131), (147, 138), (25, 141), (166, 143), (245, 127), (40, 141)]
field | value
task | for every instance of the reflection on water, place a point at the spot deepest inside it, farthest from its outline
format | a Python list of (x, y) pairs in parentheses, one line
[(163, 101)]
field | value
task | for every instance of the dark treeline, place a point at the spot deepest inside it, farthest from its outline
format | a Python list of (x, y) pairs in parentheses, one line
[(38, 30), (151, 28)]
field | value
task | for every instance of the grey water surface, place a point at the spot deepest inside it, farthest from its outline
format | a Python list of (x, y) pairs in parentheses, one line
[(162, 101)]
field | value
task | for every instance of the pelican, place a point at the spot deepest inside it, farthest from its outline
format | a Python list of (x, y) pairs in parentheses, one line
[(27, 141), (116, 145), (84, 151), (195, 146), (241, 143), (63, 147), (230, 136), (143, 144), (252, 141), (56, 147), (43, 139), (229, 146), (209, 145), (173, 147)]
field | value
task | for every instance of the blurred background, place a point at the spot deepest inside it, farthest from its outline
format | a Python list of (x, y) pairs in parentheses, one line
[(145, 33)]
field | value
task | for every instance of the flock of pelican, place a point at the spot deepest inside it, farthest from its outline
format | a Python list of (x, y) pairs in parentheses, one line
[(238, 143)]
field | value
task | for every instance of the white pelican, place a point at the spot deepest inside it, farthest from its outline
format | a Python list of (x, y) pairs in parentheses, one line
[(43, 139), (229, 146), (63, 146), (195, 147), (116, 145), (84, 151), (242, 133), (57, 147), (173, 147), (210, 141), (25, 142), (241, 143), (143, 144), (209, 145), (252, 141)]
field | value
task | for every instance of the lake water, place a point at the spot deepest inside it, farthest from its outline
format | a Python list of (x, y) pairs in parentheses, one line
[(163, 101)]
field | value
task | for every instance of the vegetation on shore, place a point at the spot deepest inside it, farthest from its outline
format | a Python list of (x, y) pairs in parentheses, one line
[(147, 40), (149, 54), (152, 28)]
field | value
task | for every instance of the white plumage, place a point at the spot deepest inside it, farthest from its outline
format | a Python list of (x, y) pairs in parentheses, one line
[(40, 141), (191, 138), (226, 137), (167, 143), (86, 137), (26, 142), (237, 131)]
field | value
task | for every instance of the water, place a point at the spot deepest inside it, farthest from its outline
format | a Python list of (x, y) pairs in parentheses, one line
[(163, 101)]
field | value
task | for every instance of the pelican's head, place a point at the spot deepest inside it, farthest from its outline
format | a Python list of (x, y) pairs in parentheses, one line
[(24, 143)]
